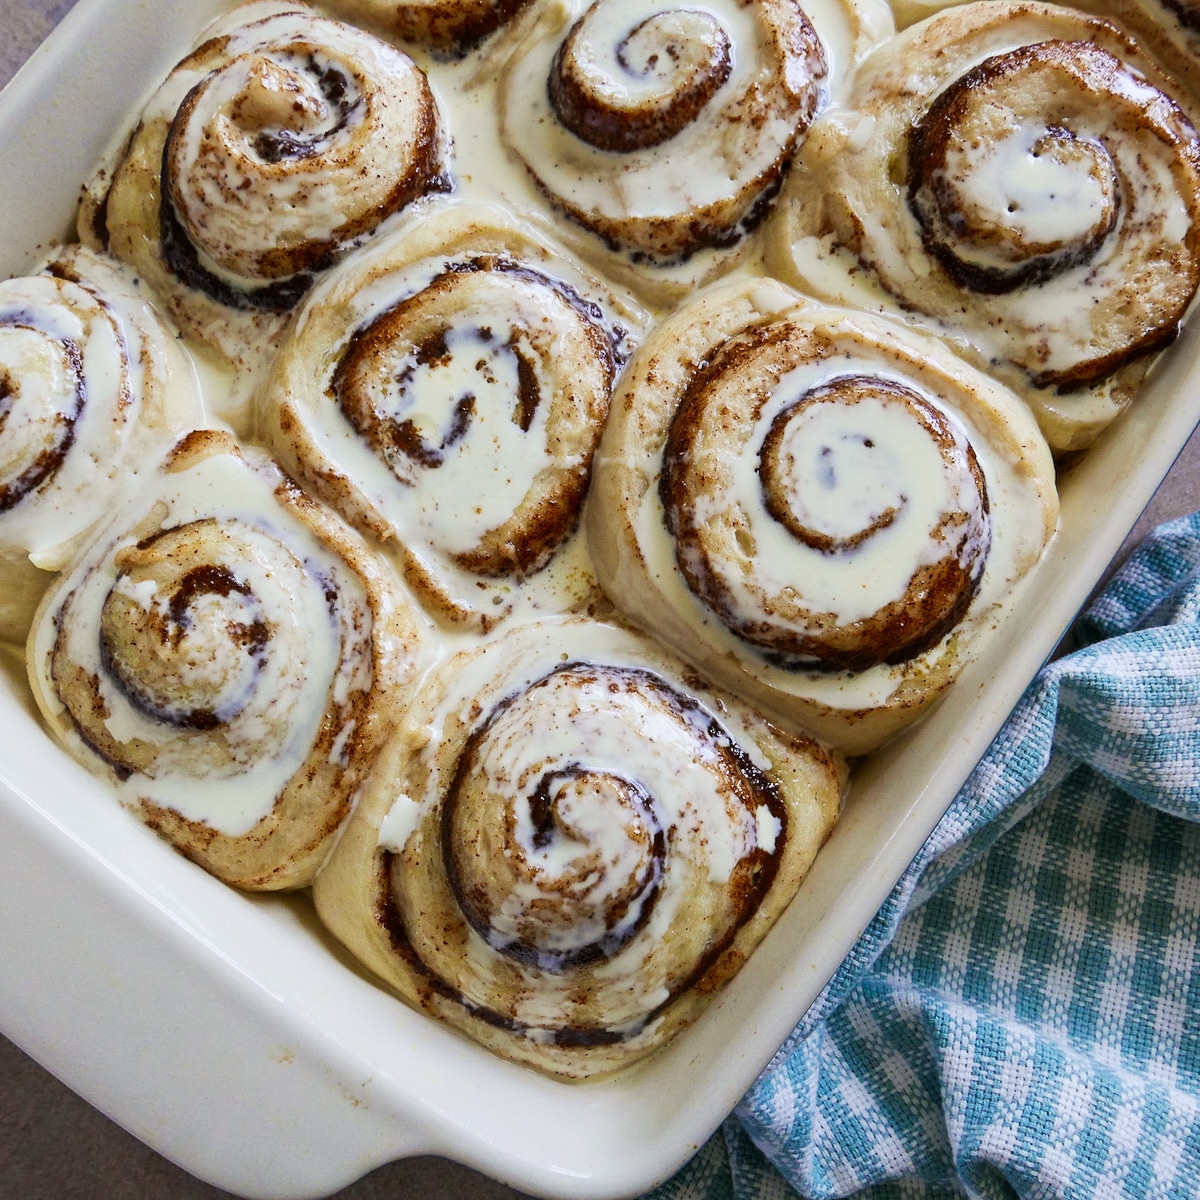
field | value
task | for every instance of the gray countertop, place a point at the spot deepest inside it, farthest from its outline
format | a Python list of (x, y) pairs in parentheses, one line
[(55, 1146)]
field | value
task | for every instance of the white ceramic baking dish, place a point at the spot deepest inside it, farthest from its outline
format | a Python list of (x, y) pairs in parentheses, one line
[(229, 1032)]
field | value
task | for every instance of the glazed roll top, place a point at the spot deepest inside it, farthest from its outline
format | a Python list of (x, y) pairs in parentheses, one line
[(1021, 175), (227, 653), (589, 845), (264, 162), (270, 151), (90, 381), (860, 534), (1036, 161), (447, 394), (817, 507), (665, 128)]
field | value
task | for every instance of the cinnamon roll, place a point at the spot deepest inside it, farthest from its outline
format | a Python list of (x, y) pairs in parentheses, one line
[(91, 384), (818, 508), (571, 842), (666, 129), (271, 150), (229, 655), (1018, 178), (446, 392), (447, 27)]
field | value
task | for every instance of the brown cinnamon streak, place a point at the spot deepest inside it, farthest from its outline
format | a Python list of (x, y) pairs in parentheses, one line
[(50, 459)]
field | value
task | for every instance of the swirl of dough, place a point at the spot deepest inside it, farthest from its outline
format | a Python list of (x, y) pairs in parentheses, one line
[(226, 653), (91, 383), (645, 88), (819, 509), (269, 152), (448, 27), (991, 241), (447, 394), (666, 130), (1018, 176), (587, 852), (852, 469)]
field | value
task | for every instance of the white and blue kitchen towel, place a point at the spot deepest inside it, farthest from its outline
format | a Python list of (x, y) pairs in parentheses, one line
[(1022, 1017)]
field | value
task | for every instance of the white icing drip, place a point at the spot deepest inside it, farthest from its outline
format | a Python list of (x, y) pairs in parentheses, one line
[(398, 825), (338, 750), (768, 827)]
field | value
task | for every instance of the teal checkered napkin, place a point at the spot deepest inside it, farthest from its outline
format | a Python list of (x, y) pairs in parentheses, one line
[(1022, 1017)]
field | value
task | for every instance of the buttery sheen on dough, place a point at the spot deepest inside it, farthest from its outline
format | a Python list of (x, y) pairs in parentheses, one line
[(817, 507), (230, 656), (571, 842), (1017, 178)]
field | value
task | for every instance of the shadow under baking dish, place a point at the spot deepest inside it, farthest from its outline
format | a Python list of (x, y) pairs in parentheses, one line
[(228, 1031)]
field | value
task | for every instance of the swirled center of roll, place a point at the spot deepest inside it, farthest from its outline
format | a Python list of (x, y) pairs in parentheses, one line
[(202, 639), (1006, 192), (556, 830), (185, 638), (666, 128), (622, 88), (243, 125), (42, 394), (484, 394), (304, 138), (415, 388), (586, 851), (831, 522), (285, 112), (829, 481)]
